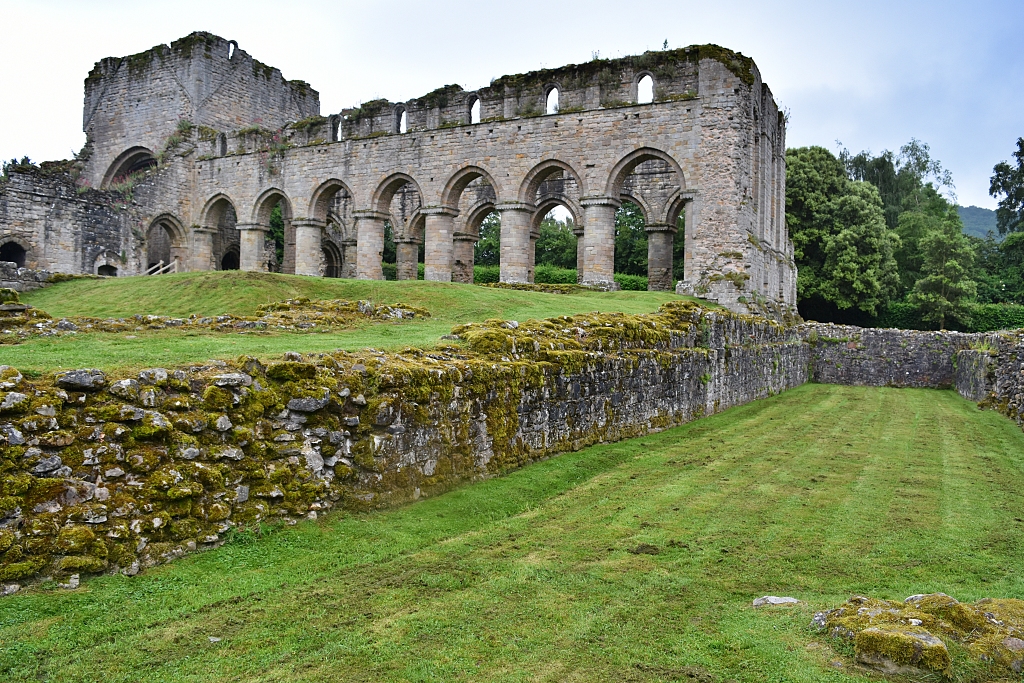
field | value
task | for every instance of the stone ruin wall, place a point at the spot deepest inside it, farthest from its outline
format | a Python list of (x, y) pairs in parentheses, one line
[(105, 473), (710, 148)]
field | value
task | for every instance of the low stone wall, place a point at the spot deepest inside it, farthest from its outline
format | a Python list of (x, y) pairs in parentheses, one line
[(103, 474), (22, 279), (975, 373), (844, 354), (1007, 392)]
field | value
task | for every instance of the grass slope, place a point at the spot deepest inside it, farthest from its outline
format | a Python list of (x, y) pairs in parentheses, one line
[(240, 293), (819, 493)]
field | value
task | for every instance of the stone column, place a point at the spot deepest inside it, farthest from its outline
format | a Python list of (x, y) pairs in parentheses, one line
[(581, 251), (348, 258), (438, 234), (515, 241), (369, 244), (599, 263), (408, 252), (660, 239), (251, 255), (202, 248), (532, 252), (308, 248), (689, 234), (464, 255)]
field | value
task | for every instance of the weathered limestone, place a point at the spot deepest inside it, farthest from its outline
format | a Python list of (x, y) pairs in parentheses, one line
[(437, 255), (463, 255), (660, 240), (308, 255), (599, 241), (407, 265), (515, 242), (251, 251), (239, 139)]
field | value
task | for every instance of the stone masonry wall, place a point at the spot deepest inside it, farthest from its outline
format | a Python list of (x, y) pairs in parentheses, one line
[(101, 474), (22, 279), (844, 354)]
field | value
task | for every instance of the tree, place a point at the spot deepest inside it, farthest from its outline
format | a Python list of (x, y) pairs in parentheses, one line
[(842, 245), (488, 248), (630, 240), (942, 294), (1009, 181), (556, 245)]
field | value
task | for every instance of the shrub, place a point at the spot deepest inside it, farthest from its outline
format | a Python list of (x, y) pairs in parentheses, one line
[(635, 283)]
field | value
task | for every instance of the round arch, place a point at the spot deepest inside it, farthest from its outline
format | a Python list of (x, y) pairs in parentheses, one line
[(386, 190), (540, 172), (476, 215), (638, 78), (166, 241), (629, 162), (643, 204), (332, 258), (214, 209), (266, 202), (323, 195), (459, 180), (13, 250), (548, 202), (107, 264), (131, 160)]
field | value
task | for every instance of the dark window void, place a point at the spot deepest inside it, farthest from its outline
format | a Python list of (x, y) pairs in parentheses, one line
[(230, 261), (13, 252), (108, 271)]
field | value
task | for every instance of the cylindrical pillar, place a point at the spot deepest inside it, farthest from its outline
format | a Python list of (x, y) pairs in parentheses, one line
[(581, 251), (532, 252), (308, 248), (464, 255), (348, 258), (438, 233), (202, 248), (369, 244), (407, 251), (515, 241), (251, 256), (599, 262), (660, 240)]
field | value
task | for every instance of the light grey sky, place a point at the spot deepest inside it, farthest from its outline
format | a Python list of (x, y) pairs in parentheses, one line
[(872, 73)]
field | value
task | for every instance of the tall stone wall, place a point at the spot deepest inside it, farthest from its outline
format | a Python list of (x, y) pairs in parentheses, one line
[(137, 101), (102, 473), (205, 127)]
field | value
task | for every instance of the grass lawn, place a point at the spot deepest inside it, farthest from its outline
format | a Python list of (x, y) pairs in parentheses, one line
[(240, 293), (819, 493)]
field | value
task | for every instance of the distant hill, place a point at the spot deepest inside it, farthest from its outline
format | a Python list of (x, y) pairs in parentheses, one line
[(978, 221)]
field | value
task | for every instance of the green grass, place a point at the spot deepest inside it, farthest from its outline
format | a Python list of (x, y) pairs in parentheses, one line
[(240, 293), (819, 493)]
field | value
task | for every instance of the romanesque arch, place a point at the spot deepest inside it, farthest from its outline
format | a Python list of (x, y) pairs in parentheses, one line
[(274, 252), (166, 244), (132, 160), (14, 251), (216, 241)]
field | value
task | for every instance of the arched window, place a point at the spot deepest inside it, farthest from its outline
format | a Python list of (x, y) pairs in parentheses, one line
[(552, 104), (107, 271), (222, 144), (474, 110), (14, 253), (645, 90), (402, 120), (232, 46), (230, 259)]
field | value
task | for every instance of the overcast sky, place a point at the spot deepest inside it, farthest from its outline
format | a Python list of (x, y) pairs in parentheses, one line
[(871, 73)]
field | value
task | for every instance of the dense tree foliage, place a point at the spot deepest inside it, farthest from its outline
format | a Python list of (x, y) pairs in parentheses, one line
[(1008, 182), (843, 247), (945, 285)]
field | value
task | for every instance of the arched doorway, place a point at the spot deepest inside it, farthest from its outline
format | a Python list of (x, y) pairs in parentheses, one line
[(230, 260), (166, 245), (14, 253)]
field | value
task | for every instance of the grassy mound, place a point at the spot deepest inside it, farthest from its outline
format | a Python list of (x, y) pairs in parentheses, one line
[(238, 293), (635, 561)]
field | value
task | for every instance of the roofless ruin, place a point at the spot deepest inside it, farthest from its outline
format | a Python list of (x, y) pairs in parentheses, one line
[(191, 146)]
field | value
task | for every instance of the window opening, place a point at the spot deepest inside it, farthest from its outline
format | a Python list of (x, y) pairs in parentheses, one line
[(474, 111), (645, 90), (13, 252), (552, 105), (403, 122), (107, 271)]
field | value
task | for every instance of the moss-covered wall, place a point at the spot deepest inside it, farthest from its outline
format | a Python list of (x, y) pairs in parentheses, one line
[(101, 473)]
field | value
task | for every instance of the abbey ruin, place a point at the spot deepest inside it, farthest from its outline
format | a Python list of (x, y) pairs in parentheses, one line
[(191, 146)]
